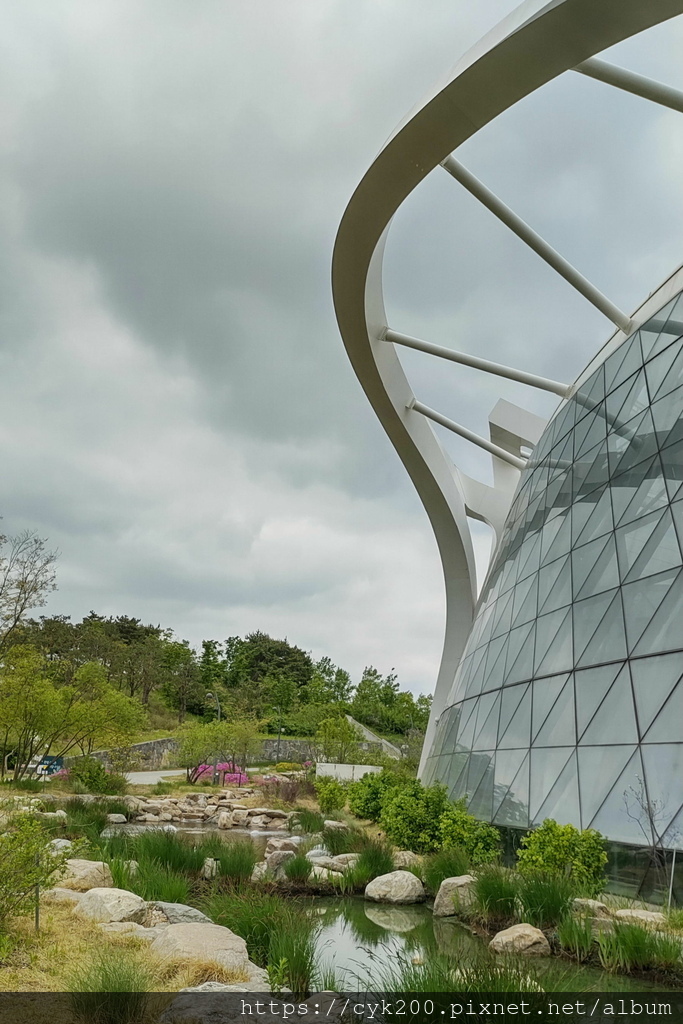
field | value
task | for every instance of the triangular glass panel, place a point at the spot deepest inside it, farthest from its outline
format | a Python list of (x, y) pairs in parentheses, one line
[(545, 693), (591, 471), (523, 666), (664, 632), (635, 402), (564, 422), (649, 495), (677, 513), (591, 686), (524, 610), (666, 412), (581, 513), (621, 364), (600, 520), (479, 762), (546, 767), (595, 431), (632, 538), (604, 574), (476, 677), (562, 802), (503, 614), (514, 809), (556, 538), (547, 627), (666, 727), (560, 653), (560, 594), (487, 729), (614, 818), (529, 555), (671, 837), (609, 640), (508, 763), (661, 552), (588, 615), (452, 723), (547, 578), (674, 375), (558, 728), (626, 445), (457, 785), (615, 720), (663, 763), (512, 695), (592, 391), (672, 464), (658, 368), (518, 731), (517, 639), (651, 331), (495, 670), (620, 398), (584, 558), (653, 681), (468, 722), (484, 706), (481, 802), (599, 768)]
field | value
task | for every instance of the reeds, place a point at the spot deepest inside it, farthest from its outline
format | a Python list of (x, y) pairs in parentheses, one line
[(308, 821), (631, 947), (298, 868), (373, 860), (575, 935), (494, 895), (444, 864), (236, 860), (545, 899), (111, 989)]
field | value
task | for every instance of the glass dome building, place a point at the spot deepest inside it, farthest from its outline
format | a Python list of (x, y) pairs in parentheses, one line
[(568, 701)]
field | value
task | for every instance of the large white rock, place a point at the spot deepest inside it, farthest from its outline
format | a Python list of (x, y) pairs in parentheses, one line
[(590, 908), (179, 913), (651, 918), (224, 819), (453, 895), (276, 859), (117, 819), (521, 938), (406, 859), (240, 816), (82, 875), (112, 905), (59, 845), (210, 867), (395, 887), (344, 860), (274, 844), (61, 896), (202, 942)]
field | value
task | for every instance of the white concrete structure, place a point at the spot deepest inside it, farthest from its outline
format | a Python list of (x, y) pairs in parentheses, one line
[(537, 42), (345, 772)]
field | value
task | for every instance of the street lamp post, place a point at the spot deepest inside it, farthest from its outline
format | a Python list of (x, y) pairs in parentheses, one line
[(212, 696), (279, 733)]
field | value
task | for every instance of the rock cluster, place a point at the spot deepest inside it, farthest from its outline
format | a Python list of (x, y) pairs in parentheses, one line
[(224, 809)]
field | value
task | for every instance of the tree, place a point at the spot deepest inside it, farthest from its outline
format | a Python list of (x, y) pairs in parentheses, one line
[(210, 743), (337, 741), (27, 576), (257, 656), (182, 688), (329, 684)]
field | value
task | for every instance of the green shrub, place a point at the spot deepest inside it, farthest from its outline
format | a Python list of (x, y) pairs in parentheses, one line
[(25, 862), (91, 773), (343, 840), (237, 860), (460, 829), (161, 788), (575, 935), (375, 859), (298, 868), (111, 989), (494, 892), (331, 794), (288, 766), (410, 816), (367, 795), (308, 821), (545, 898), (444, 864), (566, 850)]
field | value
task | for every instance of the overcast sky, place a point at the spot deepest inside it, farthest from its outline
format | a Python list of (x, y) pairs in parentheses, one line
[(177, 413)]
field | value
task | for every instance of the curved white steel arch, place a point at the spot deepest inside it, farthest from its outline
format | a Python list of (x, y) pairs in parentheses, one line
[(538, 41)]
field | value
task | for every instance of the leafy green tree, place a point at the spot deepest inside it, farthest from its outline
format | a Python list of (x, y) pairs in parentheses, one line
[(27, 576), (410, 816), (329, 684), (215, 742), (479, 840), (258, 656), (337, 741), (27, 861), (182, 687)]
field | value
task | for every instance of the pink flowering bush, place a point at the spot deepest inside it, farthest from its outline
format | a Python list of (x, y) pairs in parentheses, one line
[(229, 774)]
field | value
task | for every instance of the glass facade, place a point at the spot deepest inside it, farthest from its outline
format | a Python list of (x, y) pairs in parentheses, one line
[(568, 700)]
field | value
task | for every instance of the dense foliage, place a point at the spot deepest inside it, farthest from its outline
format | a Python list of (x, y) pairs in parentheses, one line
[(27, 861), (458, 828), (411, 815), (565, 850), (331, 794)]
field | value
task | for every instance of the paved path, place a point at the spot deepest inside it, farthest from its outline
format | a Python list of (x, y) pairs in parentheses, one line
[(149, 778)]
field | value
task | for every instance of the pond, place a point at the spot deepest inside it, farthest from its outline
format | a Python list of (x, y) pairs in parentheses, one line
[(359, 940)]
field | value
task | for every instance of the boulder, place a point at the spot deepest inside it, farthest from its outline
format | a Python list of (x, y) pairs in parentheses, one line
[(201, 942), (61, 896), (521, 938), (129, 928), (590, 908), (324, 862), (650, 918), (276, 860), (56, 817), (210, 868), (82, 875), (395, 887), (239, 816), (344, 860), (282, 844), (112, 905), (260, 821), (178, 913), (59, 845), (322, 874), (406, 859), (331, 823), (259, 871), (224, 819), (117, 819), (453, 894)]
